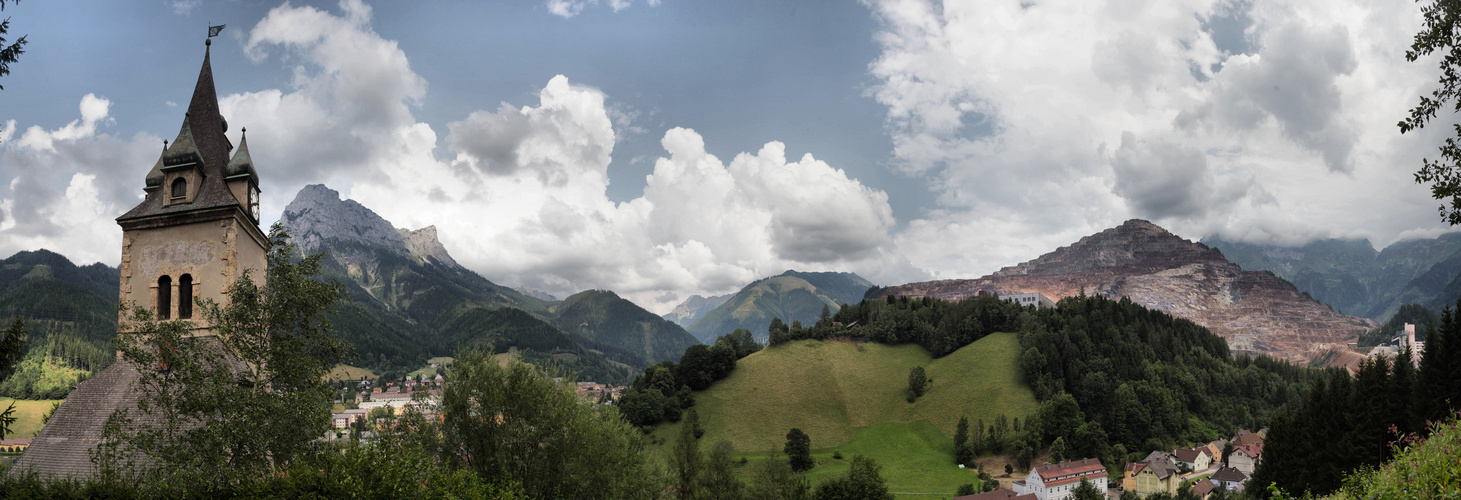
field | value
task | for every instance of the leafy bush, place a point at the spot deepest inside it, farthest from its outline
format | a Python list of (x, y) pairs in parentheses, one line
[(1422, 468)]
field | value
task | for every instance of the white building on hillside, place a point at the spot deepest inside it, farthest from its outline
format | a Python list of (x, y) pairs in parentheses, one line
[(1030, 299), (1416, 347), (1058, 481)]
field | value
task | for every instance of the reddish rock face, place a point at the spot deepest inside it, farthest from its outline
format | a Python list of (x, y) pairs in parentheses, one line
[(1255, 311)]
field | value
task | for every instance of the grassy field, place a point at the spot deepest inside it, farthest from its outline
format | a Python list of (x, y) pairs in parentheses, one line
[(428, 370), (852, 399), (28, 414), (347, 372)]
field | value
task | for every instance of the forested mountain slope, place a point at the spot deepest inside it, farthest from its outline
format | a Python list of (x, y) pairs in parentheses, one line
[(411, 300), (70, 313)]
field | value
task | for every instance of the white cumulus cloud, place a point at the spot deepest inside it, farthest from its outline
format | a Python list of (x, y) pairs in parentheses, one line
[(1039, 122)]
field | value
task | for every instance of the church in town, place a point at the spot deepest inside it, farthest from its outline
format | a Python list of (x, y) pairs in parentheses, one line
[(195, 232)]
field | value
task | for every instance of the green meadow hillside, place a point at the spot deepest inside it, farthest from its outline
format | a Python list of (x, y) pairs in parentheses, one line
[(831, 389), (851, 398)]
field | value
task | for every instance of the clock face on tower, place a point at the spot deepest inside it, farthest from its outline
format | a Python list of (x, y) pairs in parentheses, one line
[(254, 203)]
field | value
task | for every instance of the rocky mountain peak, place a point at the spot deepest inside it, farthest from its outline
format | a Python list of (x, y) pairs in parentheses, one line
[(1134, 246), (422, 242), (1256, 312), (317, 215), (318, 219)]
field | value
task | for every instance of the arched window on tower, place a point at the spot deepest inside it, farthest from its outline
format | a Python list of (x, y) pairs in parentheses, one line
[(164, 297), (185, 296), (179, 188)]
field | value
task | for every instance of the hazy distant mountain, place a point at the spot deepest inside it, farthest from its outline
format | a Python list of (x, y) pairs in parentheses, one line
[(413, 300), (1351, 276), (70, 313), (791, 296), (536, 293), (1255, 311), (694, 307), (607, 319)]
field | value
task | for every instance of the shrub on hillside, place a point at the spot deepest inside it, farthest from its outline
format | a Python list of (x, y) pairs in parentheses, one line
[(1422, 468)]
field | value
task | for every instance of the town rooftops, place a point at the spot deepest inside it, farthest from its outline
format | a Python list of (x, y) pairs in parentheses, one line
[(1244, 438), (998, 495), (1070, 472), (1253, 450), (1160, 456), (1161, 468), (1189, 455), (1202, 488)]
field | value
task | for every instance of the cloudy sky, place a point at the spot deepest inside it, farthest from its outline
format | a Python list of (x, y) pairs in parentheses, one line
[(662, 148)]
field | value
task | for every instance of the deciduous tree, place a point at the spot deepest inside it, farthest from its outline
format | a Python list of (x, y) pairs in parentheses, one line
[(798, 450)]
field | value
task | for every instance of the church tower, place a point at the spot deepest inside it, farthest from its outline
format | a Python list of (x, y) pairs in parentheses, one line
[(197, 230), (194, 233)]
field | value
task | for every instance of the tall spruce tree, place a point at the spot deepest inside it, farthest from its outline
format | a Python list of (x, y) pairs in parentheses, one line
[(963, 454)]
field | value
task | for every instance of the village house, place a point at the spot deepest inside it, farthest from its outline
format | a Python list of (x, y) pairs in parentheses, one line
[(1030, 299), (1215, 449), (1229, 478), (1245, 458), (1193, 458), (343, 420), (1153, 476), (1162, 456), (1203, 489), (1058, 481)]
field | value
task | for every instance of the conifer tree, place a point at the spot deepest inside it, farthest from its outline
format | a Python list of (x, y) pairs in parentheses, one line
[(962, 453)]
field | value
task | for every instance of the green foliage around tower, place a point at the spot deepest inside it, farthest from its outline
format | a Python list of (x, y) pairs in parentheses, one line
[(246, 400)]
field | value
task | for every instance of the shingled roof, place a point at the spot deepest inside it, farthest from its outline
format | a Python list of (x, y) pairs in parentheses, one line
[(201, 139), (63, 445)]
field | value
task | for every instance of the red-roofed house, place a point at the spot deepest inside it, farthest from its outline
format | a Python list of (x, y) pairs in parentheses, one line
[(1058, 481), (1246, 457), (996, 495)]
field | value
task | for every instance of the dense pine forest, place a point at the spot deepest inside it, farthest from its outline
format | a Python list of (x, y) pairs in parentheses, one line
[(1354, 423)]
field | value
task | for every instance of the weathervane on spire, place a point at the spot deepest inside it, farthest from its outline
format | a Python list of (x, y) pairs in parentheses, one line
[(212, 32)]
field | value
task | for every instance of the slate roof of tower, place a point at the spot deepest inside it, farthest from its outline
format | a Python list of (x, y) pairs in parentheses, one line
[(63, 445), (242, 163), (201, 138)]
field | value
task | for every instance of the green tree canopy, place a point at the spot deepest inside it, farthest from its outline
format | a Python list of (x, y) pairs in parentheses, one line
[(798, 450), (917, 381), (1442, 24), (250, 397), (863, 481)]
